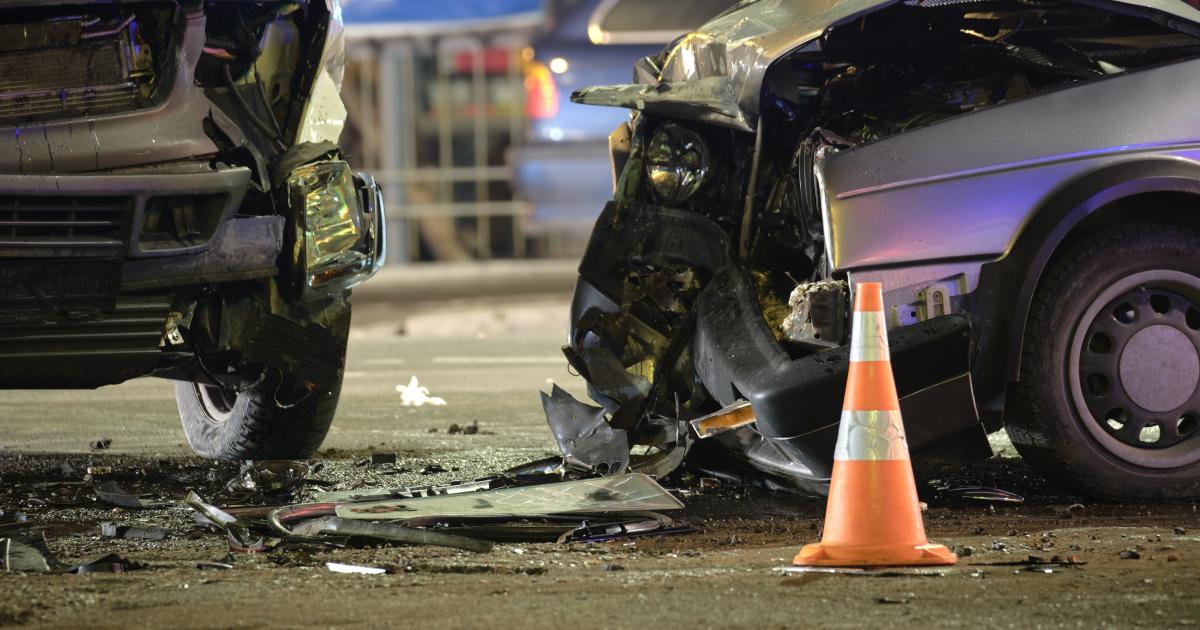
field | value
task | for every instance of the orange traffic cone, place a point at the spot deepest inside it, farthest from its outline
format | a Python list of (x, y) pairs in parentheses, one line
[(873, 517)]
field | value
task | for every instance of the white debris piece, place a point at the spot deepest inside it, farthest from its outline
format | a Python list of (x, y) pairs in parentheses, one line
[(415, 395), (351, 568)]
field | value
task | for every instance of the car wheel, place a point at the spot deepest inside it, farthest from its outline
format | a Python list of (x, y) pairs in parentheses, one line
[(226, 424), (1108, 399)]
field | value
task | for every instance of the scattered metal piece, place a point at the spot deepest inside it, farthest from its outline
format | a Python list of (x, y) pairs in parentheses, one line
[(983, 493), (627, 493), (379, 459), (111, 563), (416, 395), (112, 493), (271, 475), (337, 567), (434, 469), (739, 414), (239, 537), (584, 436), (109, 529), (19, 557), (96, 471)]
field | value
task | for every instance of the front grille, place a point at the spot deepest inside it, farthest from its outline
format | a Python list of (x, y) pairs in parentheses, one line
[(63, 226), (69, 65)]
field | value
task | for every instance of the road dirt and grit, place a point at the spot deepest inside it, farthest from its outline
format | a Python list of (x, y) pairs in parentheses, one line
[(1054, 560)]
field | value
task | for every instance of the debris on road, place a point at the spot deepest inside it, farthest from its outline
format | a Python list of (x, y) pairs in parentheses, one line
[(109, 529), (100, 444), (111, 563), (587, 441), (627, 493), (387, 532), (271, 475), (416, 395), (112, 493), (22, 556), (337, 567), (240, 539)]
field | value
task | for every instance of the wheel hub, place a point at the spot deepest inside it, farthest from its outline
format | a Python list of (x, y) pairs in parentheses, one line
[(1135, 369), (1159, 368)]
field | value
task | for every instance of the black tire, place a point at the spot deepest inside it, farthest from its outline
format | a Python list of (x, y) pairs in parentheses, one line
[(250, 425), (1091, 411)]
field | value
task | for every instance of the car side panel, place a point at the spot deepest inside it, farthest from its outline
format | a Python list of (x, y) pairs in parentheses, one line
[(967, 187)]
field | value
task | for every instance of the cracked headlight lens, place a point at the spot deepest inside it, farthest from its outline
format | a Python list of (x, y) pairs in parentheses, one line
[(677, 163)]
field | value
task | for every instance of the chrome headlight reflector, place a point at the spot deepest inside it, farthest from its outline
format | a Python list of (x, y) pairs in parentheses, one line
[(677, 163), (339, 237)]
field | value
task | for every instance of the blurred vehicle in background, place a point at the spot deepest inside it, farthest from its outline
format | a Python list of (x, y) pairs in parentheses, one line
[(563, 169)]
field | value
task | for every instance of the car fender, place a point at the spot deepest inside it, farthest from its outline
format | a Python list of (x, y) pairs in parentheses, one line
[(1014, 279)]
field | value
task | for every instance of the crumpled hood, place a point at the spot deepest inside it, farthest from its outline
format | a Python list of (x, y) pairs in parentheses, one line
[(715, 74)]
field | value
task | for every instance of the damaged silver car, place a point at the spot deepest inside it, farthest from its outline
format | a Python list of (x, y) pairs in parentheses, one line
[(1022, 176), (173, 203)]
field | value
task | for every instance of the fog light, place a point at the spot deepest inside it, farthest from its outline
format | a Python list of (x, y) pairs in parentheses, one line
[(338, 238)]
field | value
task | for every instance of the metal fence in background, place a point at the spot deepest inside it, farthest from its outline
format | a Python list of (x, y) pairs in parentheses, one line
[(433, 119)]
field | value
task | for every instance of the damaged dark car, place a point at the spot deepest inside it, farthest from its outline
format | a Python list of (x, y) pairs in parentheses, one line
[(173, 203), (1023, 177)]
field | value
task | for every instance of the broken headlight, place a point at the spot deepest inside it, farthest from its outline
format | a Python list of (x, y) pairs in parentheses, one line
[(339, 235), (677, 162)]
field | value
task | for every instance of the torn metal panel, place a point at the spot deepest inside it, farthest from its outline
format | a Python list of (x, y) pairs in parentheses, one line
[(239, 536), (710, 99), (584, 436), (626, 493)]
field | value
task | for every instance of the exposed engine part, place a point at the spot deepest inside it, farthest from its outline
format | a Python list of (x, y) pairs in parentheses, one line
[(818, 318), (68, 62)]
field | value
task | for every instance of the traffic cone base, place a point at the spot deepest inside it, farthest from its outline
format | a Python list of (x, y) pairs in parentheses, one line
[(820, 554)]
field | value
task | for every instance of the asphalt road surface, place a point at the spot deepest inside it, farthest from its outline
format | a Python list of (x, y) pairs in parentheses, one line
[(1123, 565)]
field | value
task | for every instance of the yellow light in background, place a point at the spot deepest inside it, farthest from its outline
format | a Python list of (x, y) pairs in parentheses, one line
[(558, 65)]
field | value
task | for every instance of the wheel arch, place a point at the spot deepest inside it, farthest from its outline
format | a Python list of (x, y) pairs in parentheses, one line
[(1157, 190)]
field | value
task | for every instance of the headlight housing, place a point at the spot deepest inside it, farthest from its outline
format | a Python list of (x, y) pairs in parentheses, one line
[(677, 163), (339, 235)]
